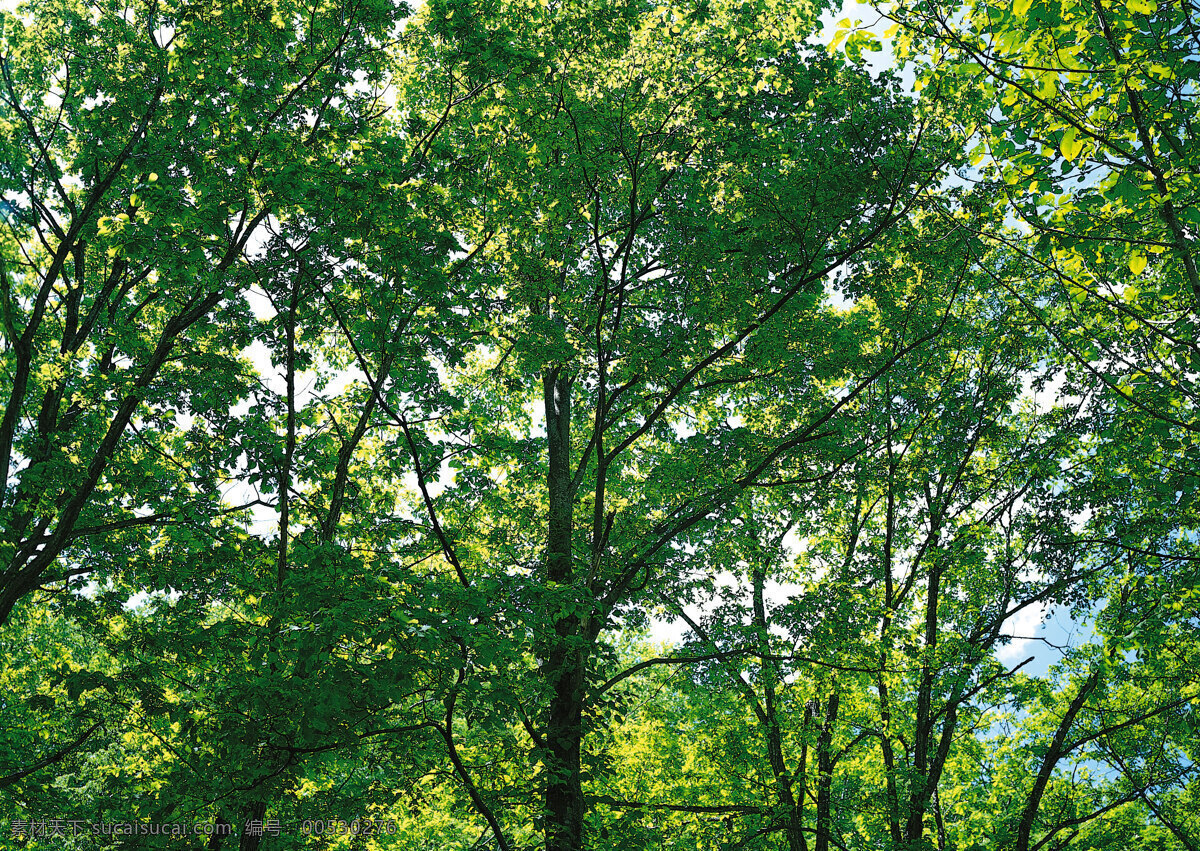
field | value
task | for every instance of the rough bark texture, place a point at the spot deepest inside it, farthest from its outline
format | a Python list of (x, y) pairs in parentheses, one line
[(565, 657), (825, 761)]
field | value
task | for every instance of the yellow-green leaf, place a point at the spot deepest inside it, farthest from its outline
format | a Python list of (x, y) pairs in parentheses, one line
[(1071, 146)]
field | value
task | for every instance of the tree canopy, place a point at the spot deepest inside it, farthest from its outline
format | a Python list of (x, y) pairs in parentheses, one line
[(379, 382)]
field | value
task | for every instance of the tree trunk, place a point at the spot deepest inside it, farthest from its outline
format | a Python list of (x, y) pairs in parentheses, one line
[(889, 756), (794, 827), (564, 667), (252, 827), (1054, 753), (825, 762), (926, 718)]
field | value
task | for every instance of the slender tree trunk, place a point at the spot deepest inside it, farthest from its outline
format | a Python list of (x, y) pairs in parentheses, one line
[(885, 704), (802, 767), (889, 755), (825, 762), (941, 824), (1054, 753), (770, 676), (926, 719), (564, 668), (252, 828), (889, 762)]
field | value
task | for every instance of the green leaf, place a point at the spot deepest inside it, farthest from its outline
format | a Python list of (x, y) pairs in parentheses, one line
[(1071, 146)]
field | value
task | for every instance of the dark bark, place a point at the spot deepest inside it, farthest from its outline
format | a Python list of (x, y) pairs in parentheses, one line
[(802, 766), (926, 718), (825, 761), (252, 828), (889, 757), (885, 704), (793, 827), (564, 666), (1054, 753), (941, 824)]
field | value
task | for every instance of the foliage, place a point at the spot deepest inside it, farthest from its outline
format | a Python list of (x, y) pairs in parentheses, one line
[(374, 387)]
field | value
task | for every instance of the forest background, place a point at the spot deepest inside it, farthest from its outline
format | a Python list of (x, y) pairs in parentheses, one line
[(373, 382)]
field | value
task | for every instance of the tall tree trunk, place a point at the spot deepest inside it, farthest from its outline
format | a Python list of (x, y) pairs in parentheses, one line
[(885, 704), (252, 827), (794, 827), (564, 668), (926, 718), (889, 756), (825, 761)]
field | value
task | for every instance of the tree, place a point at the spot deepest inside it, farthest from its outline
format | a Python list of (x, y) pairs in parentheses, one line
[(545, 294), (873, 692), (913, 557), (149, 154), (145, 150), (652, 222), (1083, 115)]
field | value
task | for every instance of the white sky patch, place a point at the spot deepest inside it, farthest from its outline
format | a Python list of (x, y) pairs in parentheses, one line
[(838, 298), (143, 598), (1024, 626), (536, 410), (671, 631), (1046, 398), (164, 35), (264, 520), (260, 305), (445, 479), (97, 101)]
